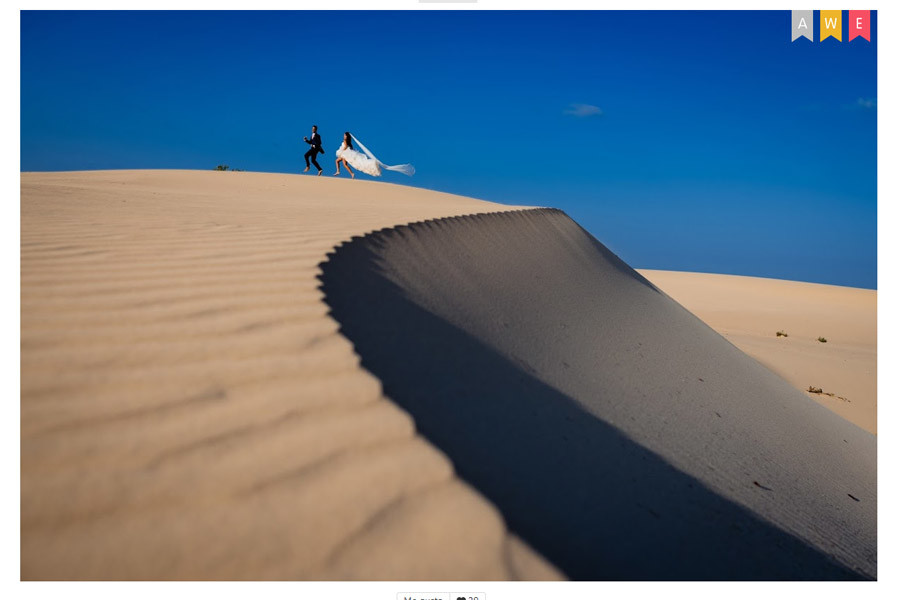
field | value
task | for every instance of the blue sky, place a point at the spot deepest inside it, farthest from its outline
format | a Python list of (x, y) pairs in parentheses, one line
[(720, 145)]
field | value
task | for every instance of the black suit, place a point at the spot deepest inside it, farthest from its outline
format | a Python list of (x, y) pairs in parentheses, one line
[(316, 143)]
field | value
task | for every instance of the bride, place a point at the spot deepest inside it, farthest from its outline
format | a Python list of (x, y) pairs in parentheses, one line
[(364, 161)]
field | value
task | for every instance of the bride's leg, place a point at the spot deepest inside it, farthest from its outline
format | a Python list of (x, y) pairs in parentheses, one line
[(337, 164), (345, 164)]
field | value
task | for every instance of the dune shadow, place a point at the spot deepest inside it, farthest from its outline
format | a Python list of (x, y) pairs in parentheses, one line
[(592, 501)]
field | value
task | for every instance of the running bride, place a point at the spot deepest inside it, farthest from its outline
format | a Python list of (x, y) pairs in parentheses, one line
[(364, 161)]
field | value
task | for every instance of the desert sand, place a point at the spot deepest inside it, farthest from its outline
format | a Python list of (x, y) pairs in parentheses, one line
[(617, 433), (749, 311), (188, 408), (263, 376)]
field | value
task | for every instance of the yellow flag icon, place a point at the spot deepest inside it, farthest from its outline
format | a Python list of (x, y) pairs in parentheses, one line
[(831, 24)]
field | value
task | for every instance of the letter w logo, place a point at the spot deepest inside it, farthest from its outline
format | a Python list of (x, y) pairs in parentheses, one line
[(831, 24)]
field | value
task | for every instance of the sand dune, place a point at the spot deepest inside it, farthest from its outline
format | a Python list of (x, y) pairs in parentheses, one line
[(749, 311), (189, 410), (192, 408), (617, 433)]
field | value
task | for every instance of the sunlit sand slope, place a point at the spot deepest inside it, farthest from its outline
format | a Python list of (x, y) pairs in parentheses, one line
[(188, 408)]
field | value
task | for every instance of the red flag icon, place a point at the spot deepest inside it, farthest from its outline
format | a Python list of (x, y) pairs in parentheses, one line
[(860, 24)]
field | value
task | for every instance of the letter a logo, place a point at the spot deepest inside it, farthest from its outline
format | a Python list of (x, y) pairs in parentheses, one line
[(802, 24), (831, 24)]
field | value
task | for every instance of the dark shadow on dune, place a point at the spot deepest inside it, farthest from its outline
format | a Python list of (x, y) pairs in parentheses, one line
[(593, 502)]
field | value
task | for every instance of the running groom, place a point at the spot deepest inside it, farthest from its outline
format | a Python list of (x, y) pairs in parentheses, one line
[(312, 153)]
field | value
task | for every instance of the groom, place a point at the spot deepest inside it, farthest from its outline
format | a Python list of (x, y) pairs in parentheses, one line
[(312, 153)]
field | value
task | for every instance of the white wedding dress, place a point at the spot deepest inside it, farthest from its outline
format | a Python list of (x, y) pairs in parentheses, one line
[(367, 162)]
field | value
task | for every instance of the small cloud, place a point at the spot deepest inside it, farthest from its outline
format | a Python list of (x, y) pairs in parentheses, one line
[(862, 105), (583, 110)]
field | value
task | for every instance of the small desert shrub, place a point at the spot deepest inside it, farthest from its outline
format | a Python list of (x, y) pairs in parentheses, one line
[(222, 168), (813, 390), (782, 334), (822, 340)]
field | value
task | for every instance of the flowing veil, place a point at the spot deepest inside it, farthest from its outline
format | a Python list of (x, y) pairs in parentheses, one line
[(404, 169)]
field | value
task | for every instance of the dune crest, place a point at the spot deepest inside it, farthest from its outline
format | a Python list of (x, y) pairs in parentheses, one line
[(616, 432), (188, 408)]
